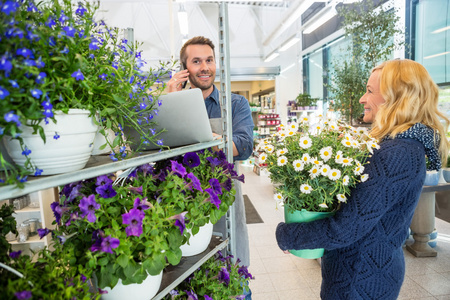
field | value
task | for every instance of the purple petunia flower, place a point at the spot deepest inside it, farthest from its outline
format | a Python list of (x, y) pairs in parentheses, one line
[(73, 216), (180, 221), (213, 198), (3, 93), (227, 185), (78, 75), (134, 220), (43, 232), (196, 184), (141, 204), (243, 271), (109, 243), (178, 168), (106, 191), (239, 178), (23, 295), (15, 255), (88, 207), (97, 237), (208, 297), (191, 295), (83, 278), (57, 211), (102, 180), (224, 276), (215, 184), (191, 160), (213, 161)]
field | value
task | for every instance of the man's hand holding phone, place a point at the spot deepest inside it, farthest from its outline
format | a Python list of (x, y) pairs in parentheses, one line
[(178, 81)]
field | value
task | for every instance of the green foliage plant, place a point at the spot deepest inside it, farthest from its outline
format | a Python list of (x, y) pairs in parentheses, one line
[(375, 33), (305, 99), (218, 278)]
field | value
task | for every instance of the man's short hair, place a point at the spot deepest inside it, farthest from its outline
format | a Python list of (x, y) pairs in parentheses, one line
[(197, 40)]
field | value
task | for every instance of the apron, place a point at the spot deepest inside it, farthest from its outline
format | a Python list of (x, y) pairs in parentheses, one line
[(239, 233)]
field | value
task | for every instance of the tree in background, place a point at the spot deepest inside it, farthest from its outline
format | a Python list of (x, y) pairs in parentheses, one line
[(375, 33)]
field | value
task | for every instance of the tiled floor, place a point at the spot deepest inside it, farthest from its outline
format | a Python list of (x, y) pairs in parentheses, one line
[(282, 276)]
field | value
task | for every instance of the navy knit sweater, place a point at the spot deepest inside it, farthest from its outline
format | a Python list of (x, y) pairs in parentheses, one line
[(363, 240)]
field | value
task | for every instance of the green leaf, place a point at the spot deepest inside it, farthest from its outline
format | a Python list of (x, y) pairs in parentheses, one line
[(174, 256), (103, 261), (122, 260)]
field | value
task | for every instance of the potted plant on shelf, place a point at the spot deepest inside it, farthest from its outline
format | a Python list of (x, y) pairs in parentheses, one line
[(304, 101), (120, 231), (48, 277), (55, 59), (315, 163), (216, 279), (203, 188)]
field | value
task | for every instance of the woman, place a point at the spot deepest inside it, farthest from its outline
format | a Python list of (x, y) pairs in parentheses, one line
[(363, 241)]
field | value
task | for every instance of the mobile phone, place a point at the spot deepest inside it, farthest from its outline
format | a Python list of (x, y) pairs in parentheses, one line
[(183, 67)]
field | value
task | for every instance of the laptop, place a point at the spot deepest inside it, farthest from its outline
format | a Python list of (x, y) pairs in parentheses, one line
[(184, 118)]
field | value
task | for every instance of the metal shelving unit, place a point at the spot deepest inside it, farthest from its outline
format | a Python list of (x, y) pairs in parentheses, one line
[(99, 165)]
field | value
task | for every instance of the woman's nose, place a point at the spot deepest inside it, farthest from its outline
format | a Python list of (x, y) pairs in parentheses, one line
[(362, 99)]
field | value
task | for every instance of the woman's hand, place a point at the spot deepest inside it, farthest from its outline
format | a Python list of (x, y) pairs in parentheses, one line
[(175, 84)]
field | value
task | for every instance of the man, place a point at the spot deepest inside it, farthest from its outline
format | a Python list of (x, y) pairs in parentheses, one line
[(198, 60)]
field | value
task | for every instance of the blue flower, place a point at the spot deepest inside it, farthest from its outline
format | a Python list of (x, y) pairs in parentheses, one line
[(80, 10), (94, 44), (10, 7), (36, 93), (51, 41), (22, 179), (25, 52), (2, 130), (3, 93), (63, 18), (41, 78), (14, 84), (50, 22), (38, 172), (69, 30), (65, 50), (56, 136), (78, 75), (11, 117), (5, 64), (160, 142), (40, 63), (115, 65), (26, 151), (103, 76), (142, 105), (47, 104)]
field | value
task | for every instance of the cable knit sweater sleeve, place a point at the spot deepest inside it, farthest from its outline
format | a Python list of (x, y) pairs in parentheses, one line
[(396, 174)]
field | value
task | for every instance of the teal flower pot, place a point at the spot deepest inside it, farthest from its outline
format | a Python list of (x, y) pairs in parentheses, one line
[(304, 216)]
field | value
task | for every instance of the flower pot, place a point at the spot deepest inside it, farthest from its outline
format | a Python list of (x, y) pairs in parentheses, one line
[(446, 174), (305, 216), (136, 291), (100, 140), (199, 242), (431, 178), (70, 152)]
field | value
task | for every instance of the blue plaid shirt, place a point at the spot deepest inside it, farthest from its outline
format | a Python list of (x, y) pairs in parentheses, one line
[(242, 121)]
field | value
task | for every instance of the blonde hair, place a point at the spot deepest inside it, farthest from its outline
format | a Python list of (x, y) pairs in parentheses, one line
[(411, 97)]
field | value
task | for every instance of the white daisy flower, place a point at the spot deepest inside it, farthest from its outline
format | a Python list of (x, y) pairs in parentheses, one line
[(281, 134), (346, 161), (347, 143), (291, 132), (355, 144), (298, 165), (358, 170), (282, 151), (315, 161), (334, 174), (323, 205), (314, 172), (262, 157), (305, 142), (341, 198), (305, 188), (338, 157), (325, 153), (364, 177), (304, 120), (333, 126), (362, 131), (282, 160), (269, 148), (278, 197), (346, 180), (305, 158), (358, 163), (324, 170), (293, 127)]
